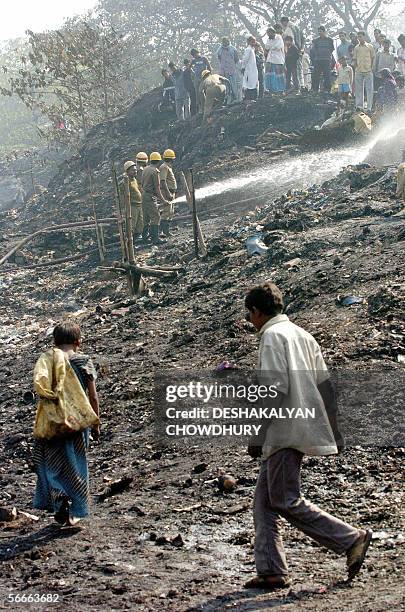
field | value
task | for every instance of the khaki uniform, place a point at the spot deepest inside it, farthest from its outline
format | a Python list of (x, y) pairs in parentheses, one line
[(139, 172), (212, 90), (150, 194), (136, 203), (167, 175)]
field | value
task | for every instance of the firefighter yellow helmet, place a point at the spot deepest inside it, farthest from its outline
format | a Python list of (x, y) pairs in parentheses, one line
[(169, 154), (128, 164), (142, 156), (205, 73), (155, 156)]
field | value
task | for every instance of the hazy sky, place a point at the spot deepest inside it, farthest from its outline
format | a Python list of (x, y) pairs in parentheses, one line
[(20, 15)]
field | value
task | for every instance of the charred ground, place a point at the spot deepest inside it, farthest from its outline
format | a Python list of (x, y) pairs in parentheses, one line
[(346, 238)]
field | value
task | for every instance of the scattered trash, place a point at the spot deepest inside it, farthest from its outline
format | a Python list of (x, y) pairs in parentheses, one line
[(349, 300), (200, 468), (7, 515), (226, 365), (255, 245), (226, 483), (115, 487), (29, 397)]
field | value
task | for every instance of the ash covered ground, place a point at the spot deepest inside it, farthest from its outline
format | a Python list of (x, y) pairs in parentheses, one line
[(171, 539)]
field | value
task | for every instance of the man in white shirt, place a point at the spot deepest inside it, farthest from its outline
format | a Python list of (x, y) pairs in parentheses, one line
[(290, 358)]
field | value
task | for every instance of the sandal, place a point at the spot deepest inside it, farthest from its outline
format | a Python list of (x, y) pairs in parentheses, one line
[(268, 583), (357, 553)]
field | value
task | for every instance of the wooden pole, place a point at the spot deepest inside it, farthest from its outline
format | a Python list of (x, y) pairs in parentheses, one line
[(189, 187), (195, 218), (81, 225), (101, 251), (122, 230), (120, 219), (134, 275), (128, 216)]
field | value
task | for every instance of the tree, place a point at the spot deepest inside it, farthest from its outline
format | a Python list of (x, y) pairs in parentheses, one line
[(72, 76), (350, 14)]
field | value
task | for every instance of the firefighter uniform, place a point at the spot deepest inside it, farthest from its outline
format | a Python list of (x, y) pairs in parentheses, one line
[(135, 197), (212, 92), (167, 176), (150, 194)]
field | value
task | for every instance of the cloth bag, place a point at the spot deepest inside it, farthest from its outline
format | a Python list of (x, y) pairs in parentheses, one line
[(63, 406)]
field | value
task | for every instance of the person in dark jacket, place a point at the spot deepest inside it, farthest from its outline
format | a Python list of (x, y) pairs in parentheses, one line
[(322, 54), (189, 83), (292, 57)]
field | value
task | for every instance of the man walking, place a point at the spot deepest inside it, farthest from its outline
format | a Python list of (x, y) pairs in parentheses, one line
[(363, 60), (228, 61), (290, 357), (323, 48)]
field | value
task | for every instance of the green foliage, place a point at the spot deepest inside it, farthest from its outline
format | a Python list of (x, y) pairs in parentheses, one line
[(95, 65), (71, 76)]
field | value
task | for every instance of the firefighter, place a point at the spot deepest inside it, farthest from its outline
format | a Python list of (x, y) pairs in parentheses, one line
[(141, 163), (168, 187), (212, 91), (151, 195), (129, 188)]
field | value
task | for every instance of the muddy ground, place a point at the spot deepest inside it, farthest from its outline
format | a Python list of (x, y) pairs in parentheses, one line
[(344, 239)]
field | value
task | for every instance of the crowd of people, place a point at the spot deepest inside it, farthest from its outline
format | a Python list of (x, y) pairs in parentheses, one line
[(371, 73)]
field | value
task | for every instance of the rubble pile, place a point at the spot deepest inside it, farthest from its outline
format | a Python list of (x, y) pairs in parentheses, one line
[(238, 136)]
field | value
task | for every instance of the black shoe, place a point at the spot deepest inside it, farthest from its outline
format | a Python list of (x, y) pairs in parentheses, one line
[(154, 233), (165, 228), (145, 234)]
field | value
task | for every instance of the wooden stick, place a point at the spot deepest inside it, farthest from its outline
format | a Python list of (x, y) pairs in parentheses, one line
[(98, 233), (120, 219), (81, 225), (122, 229), (134, 274), (56, 262), (188, 189), (124, 267), (195, 218)]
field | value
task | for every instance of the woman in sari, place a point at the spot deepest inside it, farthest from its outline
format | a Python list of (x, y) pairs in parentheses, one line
[(61, 461)]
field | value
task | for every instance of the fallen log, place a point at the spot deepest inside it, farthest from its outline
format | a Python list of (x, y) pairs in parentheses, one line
[(54, 228), (145, 270), (62, 260)]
